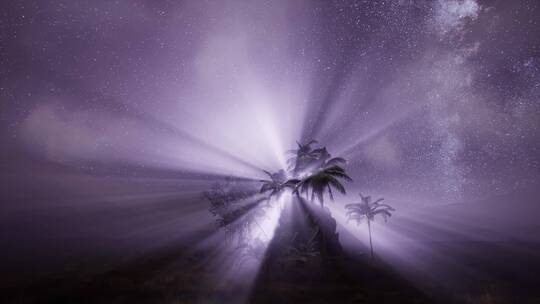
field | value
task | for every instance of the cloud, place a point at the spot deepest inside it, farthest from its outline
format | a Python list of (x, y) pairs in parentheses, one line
[(49, 131)]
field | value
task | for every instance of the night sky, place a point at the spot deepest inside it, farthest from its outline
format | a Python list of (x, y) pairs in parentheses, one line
[(114, 115)]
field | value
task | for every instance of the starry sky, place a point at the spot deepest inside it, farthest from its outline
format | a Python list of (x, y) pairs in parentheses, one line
[(110, 108)]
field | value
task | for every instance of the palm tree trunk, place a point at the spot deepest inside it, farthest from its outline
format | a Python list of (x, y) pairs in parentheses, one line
[(370, 243)]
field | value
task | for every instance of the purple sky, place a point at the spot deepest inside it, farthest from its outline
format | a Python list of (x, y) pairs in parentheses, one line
[(114, 114)]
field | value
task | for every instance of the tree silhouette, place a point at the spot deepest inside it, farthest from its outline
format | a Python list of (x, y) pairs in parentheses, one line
[(312, 172), (367, 210), (303, 157), (276, 184), (325, 178), (236, 207)]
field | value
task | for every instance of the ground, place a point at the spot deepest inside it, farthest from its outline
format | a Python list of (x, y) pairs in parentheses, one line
[(174, 276)]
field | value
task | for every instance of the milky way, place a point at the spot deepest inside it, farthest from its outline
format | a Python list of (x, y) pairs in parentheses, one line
[(111, 110)]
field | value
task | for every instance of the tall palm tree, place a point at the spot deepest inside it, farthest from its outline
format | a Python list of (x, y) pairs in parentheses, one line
[(367, 210), (323, 174)]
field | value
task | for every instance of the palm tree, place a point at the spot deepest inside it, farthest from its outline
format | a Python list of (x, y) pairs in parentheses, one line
[(326, 177), (277, 183), (303, 149), (303, 156), (367, 210), (274, 184), (310, 169)]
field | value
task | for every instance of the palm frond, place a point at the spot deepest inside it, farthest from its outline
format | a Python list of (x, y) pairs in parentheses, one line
[(384, 213), (385, 206), (266, 187), (336, 184), (352, 206), (377, 201), (338, 172), (368, 210), (336, 161), (310, 142), (291, 183), (330, 193)]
